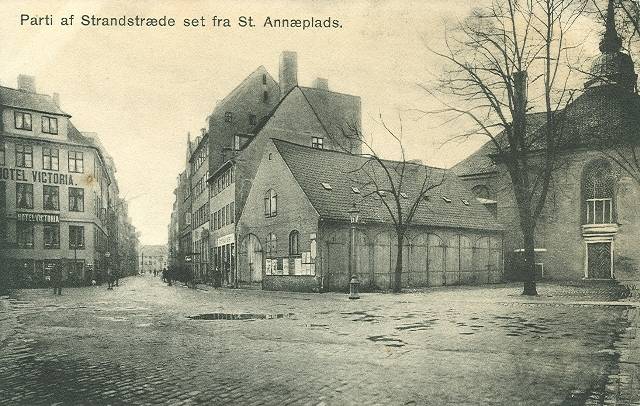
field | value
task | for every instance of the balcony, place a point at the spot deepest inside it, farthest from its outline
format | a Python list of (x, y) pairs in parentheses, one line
[(599, 230)]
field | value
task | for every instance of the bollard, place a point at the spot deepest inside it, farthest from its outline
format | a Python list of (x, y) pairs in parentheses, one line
[(354, 284)]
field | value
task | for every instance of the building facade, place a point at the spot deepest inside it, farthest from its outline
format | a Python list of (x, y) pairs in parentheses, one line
[(591, 221), (296, 231), (54, 192), (153, 258), (199, 164)]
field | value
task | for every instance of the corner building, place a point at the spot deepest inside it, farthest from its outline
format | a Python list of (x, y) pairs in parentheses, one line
[(54, 192)]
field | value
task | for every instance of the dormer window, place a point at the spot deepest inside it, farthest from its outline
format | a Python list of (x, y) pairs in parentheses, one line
[(22, 120), (228, 117), (49, 125)]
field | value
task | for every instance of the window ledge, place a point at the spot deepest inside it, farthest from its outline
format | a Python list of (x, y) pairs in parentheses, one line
[(599, 229)]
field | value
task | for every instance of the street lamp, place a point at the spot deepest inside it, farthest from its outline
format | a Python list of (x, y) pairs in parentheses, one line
[(354, 216)]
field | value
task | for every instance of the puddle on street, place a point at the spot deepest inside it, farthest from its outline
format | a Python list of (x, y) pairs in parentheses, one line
[(363, 316), (387, 341), (239, 316)]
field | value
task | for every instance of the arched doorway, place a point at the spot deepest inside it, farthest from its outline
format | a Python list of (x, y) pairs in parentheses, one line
[(250, 260)]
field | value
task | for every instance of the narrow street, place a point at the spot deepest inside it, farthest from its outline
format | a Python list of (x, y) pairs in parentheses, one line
[(148, 343)]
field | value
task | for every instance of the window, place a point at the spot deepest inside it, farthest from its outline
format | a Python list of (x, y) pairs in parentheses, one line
[(270, 203), (294, 243), (76, 199), (272, 245), (317, 142), (24, 156), (236, 143), (51, 236), (481, 191), (597, 190), (50, 159), (264, 78), (76, 237), (265, 96), (24, 236), (51, 197), (228, 117), (76, 162), (232, 212), (23, 120), (49, 125), (24, 195), (3, 155), (252, 119)]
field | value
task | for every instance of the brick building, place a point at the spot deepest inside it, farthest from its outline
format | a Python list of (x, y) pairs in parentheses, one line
[(57, 189), (312, 116), (590, 225), (295, 230)]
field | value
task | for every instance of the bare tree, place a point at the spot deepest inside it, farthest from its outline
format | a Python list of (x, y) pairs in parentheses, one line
[(503, 61), (402, 186)]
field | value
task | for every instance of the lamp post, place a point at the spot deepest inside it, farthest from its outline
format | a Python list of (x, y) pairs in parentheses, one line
[(354, 215)]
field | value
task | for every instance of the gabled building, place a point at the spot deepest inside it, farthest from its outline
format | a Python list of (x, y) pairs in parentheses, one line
[(313, 116), (296, 231), (591, 221)]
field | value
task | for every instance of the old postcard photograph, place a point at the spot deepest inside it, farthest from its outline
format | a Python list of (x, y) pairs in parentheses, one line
[(320, 202)]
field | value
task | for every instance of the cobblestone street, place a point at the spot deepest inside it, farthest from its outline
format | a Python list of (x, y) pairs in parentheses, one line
[(147, 343)]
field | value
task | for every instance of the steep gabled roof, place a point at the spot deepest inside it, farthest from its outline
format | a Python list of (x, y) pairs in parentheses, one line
[(21, 99), (334, 110), (449, 205)]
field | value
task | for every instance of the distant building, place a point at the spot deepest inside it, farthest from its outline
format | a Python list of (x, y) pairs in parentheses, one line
[(152, 258), (295, 229), (55, 194)]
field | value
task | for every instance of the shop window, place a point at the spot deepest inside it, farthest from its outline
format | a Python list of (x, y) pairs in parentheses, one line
[(76, 237), (24, 236), (51, 236), (24, 195), (294, 243)]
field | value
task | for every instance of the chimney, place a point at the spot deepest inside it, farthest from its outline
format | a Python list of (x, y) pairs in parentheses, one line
[(288, 74), (27, 83), (203, 131), (56, 99), (321, 83)]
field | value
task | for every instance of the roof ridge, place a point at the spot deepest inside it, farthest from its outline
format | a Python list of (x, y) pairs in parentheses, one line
[(329, 91)]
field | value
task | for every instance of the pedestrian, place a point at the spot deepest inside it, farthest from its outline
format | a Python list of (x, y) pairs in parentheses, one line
[(227, 268), (56, 280), (109, 279)]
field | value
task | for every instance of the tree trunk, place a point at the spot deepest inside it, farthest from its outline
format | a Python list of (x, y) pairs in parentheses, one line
[(529, 264), (397, 275)]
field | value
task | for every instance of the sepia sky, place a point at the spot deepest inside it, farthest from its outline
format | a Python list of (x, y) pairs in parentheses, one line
[(143, 89)]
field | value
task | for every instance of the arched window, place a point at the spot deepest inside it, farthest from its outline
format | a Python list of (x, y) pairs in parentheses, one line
[(270, 203), (272, 245), (294, 243), (597, 193)]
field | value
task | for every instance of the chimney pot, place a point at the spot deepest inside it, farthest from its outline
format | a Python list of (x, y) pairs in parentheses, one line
[(27, 83), (321, 83), (288, 75), (56, 99)]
